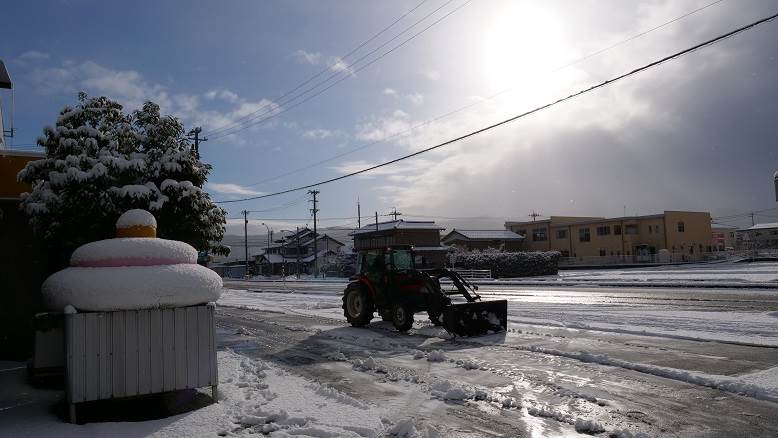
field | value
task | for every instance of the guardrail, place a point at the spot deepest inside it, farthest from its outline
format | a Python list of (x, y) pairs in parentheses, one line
[(474, 273)]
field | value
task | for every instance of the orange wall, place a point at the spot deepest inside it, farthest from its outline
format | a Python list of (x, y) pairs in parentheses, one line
[(10, 165)]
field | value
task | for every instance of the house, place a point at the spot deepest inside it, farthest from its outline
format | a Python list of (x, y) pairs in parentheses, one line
[(686, 234), (722, 237), (759, 236), (301, 252), (424, 236), (484, 239)]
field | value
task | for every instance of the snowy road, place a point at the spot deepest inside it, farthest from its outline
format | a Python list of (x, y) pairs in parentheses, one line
[(663, 362)]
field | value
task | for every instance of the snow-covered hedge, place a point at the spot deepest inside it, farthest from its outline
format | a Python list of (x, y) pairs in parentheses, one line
[(507, 264)]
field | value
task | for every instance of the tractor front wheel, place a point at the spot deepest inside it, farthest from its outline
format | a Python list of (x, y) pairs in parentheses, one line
[(402, 317), (435, 317), (357, 306)]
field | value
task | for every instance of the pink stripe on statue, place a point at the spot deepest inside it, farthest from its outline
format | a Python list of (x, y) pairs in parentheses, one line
[(131, 261)]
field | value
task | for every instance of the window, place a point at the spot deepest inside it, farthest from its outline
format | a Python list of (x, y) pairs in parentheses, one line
[(617, 230), (602, 253), (539, 235), (583, 235), (603, 231), (681, 227), (631, 229), (650, 229), (561, 233)]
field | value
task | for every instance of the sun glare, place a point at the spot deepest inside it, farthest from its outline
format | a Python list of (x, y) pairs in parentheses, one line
[(522, 42)]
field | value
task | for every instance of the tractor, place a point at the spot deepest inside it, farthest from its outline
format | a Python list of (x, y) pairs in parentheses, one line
[(387, 282)]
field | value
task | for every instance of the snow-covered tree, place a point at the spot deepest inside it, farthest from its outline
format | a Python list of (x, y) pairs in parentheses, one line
[(101, 162)]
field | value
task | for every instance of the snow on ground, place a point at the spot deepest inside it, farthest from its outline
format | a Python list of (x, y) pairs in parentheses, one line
[(767, 378), (728, 273), (741, 327), (255, 398)]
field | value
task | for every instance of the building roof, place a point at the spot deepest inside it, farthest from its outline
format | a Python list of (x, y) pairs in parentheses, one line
[(486, 234), (5, 78), (397, 225), (764, 226), (716, 226)]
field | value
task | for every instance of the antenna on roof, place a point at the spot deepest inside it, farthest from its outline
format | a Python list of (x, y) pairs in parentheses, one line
[(395, 213), (534, 215)]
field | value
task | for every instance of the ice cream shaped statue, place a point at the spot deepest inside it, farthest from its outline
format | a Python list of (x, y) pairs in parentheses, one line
[(135, 270)]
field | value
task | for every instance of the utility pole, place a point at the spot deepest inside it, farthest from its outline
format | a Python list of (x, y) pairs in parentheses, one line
[(246, 238), (376, 221), (196, 133), (534, 215), (395, 213), (315, 210), (753, 221), (359, 215), (298, 253)]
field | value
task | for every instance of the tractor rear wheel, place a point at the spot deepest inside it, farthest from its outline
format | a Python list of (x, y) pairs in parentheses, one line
[(402, 317), (357, 305)]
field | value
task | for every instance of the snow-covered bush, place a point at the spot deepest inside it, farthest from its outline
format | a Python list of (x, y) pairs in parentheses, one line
[(507, 264), (101, 162)]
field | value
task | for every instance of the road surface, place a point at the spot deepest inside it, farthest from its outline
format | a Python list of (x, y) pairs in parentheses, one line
[(656, 361)]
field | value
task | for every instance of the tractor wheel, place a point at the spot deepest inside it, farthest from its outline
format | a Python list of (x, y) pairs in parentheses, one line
[(402, 317), (357, 306), (435, 317)]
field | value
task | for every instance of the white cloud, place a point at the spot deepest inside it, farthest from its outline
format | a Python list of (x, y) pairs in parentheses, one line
[(415, 98), (33, 56), (130, 89), (231, 189), (390, 92), (318, 134), (432, 75), (222, 94), (305, 57), (340, 66)]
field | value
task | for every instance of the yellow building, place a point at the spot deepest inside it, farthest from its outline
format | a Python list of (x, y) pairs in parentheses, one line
[(686, 234)]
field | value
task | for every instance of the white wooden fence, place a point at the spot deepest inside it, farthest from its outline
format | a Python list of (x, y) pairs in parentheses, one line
[(136, 352)]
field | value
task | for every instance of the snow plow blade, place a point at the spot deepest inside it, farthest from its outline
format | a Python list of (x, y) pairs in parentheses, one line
[(476, 318)]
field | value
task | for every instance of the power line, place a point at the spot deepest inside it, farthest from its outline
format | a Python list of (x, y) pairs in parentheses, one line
[(347, 75), (326, 69), (524, 114), (479, 102)]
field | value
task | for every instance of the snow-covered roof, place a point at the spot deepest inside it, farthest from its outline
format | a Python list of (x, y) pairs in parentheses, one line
[(722, 227), (486, 234), (397, 225), (763, 226), (431, 248)]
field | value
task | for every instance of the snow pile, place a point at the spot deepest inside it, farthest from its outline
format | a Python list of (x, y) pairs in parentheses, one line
[(136, 218), (369, 364), (336, 356), (624, 433), (436, 356), (590, 427), (132, 272), (133, 251), (417, 354), (131, 287), (766, 379), (469, 364), (407, 429)]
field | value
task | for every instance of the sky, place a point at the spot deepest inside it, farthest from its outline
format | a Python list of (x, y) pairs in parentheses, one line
[(698, 133)]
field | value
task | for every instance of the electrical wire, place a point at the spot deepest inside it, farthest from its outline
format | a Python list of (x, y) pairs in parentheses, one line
[(348, 74), (326, 69), (479, 102), (524, 114)]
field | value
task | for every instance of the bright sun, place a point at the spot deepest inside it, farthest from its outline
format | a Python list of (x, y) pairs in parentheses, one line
[(521, 43)]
